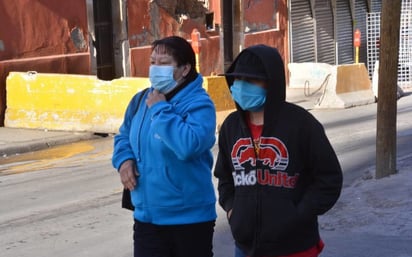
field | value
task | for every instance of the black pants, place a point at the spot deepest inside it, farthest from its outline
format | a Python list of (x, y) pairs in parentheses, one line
[(191, 240)]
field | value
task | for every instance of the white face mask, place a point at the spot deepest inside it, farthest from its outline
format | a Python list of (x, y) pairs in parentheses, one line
[(161, 78)]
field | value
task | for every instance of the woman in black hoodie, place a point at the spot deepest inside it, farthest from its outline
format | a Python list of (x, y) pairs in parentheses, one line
[(276, 168)]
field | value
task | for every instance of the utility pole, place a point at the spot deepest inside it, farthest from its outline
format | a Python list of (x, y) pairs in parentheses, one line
[(387, 89)]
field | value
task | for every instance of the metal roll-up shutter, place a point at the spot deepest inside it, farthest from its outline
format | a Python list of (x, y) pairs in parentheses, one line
[(344, 32), (376, 5), (325, 35), (302, 32), (361, 10)]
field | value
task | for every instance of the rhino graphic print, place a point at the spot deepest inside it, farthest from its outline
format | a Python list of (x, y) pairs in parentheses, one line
[(272, 157)]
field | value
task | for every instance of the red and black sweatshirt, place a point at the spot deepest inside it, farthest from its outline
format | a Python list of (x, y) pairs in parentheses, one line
[(277, 188)]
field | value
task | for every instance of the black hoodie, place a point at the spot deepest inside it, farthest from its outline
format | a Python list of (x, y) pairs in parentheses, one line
[(276, 197)]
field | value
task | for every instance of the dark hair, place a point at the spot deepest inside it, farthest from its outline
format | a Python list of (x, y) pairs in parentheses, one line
[(179, 49)]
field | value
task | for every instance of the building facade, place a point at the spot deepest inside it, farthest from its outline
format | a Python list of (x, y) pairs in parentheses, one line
[(111, 38)]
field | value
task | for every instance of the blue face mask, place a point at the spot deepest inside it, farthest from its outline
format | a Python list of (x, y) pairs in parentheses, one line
[(161, 78), (250, 97)]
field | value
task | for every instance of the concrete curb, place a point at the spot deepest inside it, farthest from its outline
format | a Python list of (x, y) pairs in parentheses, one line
[(17, 141)]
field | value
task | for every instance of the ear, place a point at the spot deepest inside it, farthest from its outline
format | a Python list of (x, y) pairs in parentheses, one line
[(186, 69)]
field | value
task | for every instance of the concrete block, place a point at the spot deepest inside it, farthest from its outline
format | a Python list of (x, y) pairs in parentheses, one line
[(349, 85), (68, 102), (218, 90), (375, 83), (310, 75)]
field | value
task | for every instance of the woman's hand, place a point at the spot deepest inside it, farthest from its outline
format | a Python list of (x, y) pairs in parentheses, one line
[(128, 174), (154, 97)]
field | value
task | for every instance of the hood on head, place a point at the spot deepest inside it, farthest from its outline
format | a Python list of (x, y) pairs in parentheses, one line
[(261, 62)]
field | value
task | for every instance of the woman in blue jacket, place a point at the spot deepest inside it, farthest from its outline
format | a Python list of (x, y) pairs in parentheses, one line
[(163, 155)]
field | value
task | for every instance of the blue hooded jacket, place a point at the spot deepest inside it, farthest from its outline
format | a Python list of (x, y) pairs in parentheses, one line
[(171, 145)]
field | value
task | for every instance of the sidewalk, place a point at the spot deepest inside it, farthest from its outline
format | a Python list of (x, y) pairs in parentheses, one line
[(19, 140)]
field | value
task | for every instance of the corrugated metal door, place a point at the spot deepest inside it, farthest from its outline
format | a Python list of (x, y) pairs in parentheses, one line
[(302, 32), (376, 5), (325, 35), (344, 32), (361, 10)]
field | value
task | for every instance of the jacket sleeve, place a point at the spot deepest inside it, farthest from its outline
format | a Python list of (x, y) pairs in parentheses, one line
[(223, 172), (187, 132), (122, 149), (327, 178)]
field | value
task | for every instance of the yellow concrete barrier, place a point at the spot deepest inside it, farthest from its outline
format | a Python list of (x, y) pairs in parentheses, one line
[(217, 88), (82, 102), (219, 92), (348, 86), (68, 102)]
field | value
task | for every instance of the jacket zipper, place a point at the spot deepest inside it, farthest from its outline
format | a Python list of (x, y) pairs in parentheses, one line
[(258, 219), (139, 132)]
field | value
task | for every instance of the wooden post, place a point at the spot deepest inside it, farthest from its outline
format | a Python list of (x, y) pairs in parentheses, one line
[(387, 89), (227, 32), (238, 27)]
